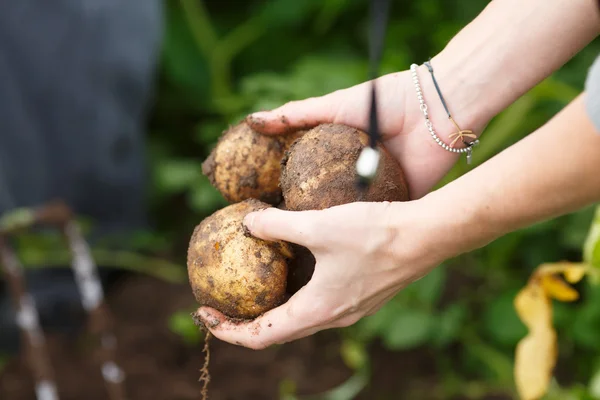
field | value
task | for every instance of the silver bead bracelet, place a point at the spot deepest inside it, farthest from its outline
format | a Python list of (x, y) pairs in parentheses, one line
[(459, 134)]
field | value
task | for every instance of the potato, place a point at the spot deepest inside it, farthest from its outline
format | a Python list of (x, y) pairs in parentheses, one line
[(319, 170), (246, 164), (237, 274)]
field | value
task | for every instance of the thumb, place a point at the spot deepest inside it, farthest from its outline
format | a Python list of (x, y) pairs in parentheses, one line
[(295, 115), (290, 226)]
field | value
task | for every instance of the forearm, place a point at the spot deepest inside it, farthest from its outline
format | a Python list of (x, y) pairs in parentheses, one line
[(508, 49), (554, 171)]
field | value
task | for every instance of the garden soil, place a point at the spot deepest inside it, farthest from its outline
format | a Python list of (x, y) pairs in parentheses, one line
[(160, 365)]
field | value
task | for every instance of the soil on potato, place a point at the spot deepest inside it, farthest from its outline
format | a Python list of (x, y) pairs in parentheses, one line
[(159, 365)]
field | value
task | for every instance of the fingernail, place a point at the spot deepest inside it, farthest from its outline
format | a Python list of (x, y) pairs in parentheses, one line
[(258, 118), (249, 221), (260, 114), (207, 318)]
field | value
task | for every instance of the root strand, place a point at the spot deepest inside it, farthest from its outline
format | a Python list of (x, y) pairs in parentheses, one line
[(205, 375)]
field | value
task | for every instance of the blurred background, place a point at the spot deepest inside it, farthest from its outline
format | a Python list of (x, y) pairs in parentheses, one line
[(112, 106)]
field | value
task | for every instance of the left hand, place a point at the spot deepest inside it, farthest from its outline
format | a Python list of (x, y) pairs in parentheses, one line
[(365, 254)]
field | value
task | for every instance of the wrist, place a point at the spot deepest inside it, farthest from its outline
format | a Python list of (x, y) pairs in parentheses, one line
[(426, 233), (454, 224), (463, 98)]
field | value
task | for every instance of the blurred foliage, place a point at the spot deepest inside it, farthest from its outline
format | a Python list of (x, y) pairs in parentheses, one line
[(224, 59)]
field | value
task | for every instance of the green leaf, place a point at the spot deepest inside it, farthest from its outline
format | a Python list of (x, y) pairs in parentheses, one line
[(591, 247), (286, 14), (375, 325), (183, 63), (204, 198), (347, 390), (576, 228), (429, 288), (408, 329), (354, 354), (501, 321), (594, 386), (586, 327), (448, 324), (176, 175), (182, 324)]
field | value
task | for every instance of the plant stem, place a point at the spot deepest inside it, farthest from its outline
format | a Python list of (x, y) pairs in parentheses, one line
[(200, 25), (162, 269), (220, 52)]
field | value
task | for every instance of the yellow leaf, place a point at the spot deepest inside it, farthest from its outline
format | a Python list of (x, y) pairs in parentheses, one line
[(536, 353), (533, 307), (534, 363), (558, 289), (575, 273)]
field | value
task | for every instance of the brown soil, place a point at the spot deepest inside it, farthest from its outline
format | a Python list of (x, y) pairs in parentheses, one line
[(159, 365)]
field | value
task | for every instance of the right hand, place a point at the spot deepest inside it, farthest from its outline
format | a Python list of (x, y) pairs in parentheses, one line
[(402, 123)]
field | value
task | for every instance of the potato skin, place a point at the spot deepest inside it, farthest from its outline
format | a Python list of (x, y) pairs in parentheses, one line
[(232, 271), (319, 170), (246, 164)]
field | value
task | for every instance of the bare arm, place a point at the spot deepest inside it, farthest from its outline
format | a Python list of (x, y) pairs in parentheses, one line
[(552, 172), (368, 252), (509, 48)]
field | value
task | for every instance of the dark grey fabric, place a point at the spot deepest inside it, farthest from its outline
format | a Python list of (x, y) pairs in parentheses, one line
[(75, 80), (76, 77)]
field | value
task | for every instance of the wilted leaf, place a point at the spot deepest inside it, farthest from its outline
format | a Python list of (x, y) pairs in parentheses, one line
[(558, 289), (575, 274), (534, 362), (534, 307), (536, 353)]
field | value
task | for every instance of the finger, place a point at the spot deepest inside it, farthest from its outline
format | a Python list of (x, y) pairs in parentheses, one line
[(290, 226), (279, 325), (344, 106), (294, 115)]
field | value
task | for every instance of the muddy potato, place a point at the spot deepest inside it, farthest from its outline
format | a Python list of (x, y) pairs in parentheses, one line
[(246, 164), (232, 271), (319, 170)]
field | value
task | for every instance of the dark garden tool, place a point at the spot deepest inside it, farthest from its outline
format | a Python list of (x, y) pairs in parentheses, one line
[(368, 161)]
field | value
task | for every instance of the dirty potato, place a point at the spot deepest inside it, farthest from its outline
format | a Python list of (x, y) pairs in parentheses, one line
[(319, 170), (246, 164), (237, 274)]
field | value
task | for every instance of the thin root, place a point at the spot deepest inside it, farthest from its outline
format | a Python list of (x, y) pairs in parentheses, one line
[(205, 375)]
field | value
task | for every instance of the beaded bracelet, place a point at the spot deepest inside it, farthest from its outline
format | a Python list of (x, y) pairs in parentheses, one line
[(459, 134)]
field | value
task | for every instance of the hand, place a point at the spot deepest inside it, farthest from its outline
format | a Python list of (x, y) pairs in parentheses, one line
[(402, 123), (365, 253)]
